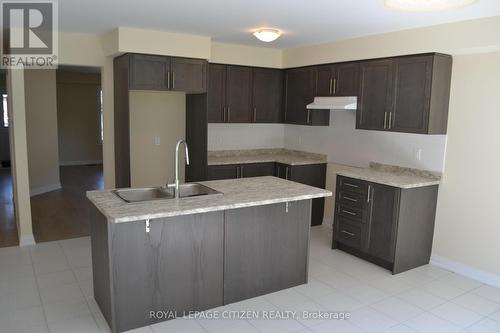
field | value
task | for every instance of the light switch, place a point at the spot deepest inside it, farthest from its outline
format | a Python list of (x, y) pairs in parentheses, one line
[(157, 140), (417, 154)]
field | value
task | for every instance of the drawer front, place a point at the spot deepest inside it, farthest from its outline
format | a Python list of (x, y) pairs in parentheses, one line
[(352, 199), (349, 233), (351, 212), (352, 185)]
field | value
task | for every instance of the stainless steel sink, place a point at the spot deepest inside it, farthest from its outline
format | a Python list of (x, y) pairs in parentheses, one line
[(164, 193)]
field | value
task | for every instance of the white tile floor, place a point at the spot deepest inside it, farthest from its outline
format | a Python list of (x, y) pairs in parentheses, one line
[(48, 288)]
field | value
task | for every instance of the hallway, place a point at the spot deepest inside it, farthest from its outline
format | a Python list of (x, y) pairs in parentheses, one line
[(8, 228), (62, 214)]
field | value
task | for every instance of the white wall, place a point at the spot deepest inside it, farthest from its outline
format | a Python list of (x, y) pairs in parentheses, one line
[(346, 145), (245, 136)]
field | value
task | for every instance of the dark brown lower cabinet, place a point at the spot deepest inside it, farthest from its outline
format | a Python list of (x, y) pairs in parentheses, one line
[(265, 249), (389, 226), (232, 171), (310, 174), (196, 262)]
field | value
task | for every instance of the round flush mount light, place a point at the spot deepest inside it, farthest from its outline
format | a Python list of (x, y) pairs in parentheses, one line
[(267, 35), (426, 5)]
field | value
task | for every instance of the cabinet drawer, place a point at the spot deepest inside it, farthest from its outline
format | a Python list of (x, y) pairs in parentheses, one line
[(353, 199), (351, 212), (352, 185), (349, 233)]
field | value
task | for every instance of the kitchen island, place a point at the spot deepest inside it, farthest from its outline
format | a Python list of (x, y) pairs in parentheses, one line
[(197, 253)]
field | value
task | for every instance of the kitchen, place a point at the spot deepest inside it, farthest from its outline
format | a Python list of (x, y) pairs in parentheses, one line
[(312, 178)]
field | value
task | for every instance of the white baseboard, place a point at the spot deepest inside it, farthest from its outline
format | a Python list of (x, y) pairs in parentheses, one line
[(26, 240), (84, 162), (45, 189), (465, 270)]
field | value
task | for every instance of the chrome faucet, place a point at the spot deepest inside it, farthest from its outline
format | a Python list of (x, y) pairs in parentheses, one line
[(176, 184)]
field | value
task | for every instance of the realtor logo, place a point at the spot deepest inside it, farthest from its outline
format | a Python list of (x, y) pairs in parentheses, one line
[(29, 34)]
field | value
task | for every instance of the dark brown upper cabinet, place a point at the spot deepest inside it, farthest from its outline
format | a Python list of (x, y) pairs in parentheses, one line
[(267, 95), (149, 72), (238, 94), (375, 94), (216, 96), (241, 94), (337, 80), (405, 94), (300, 89)]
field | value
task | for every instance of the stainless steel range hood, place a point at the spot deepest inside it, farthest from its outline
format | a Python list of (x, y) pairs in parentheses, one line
[(333, 103)]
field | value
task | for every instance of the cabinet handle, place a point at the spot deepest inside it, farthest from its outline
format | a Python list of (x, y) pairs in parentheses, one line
[(308, 116), (330, 90), (228, 111), (173, 80), (334, 86), (168, 80), (351, 185), (369, 193), (241, 172), (254, 114), (385, 120), (223, 114), (348, 233), (349, 212), (286, 173), (390, 120), (350, 199)]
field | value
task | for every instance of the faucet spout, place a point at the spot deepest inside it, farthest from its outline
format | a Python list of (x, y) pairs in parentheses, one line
[(181, 141)]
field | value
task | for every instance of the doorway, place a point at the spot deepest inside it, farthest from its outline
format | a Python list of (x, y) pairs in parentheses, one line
[(8, 227), (59, 210)]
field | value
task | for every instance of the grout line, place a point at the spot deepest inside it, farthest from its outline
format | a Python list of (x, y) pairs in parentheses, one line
[(38, 289)]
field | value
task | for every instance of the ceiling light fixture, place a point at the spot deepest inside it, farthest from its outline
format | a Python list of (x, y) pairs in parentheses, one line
[(426, 5), (267, 35)]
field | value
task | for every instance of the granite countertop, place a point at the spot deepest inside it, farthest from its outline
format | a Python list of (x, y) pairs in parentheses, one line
[(393, 175), (236, 193), (279, 155)]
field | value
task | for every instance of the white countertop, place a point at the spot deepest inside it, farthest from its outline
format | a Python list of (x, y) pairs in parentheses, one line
[(236, 193)]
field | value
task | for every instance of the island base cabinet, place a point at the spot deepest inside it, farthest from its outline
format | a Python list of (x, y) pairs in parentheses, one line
[(176, 267), (265, 249)]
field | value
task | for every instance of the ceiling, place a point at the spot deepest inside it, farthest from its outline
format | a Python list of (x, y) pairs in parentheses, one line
[(303, 22)]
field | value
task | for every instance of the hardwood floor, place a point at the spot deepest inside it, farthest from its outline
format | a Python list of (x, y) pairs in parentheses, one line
[(8, 227), (62, 214)]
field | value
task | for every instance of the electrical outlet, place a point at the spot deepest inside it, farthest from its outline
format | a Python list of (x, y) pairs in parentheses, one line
[(157, 140), (417, 154)]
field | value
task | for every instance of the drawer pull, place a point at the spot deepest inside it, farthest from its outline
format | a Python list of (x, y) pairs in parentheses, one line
[(348, 233), (348, 212), (351, 185), (351, 199)]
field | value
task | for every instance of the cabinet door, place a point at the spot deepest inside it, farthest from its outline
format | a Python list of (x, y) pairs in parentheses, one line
[(216, 95), (177, 266), (222, 172), (346, 79), (267, 95), (313, 175), (375, 95), (382, 226), (412, 94), (149, 72), (189, 75), (324, 80), (265, 249), (257, 170), (238, 94), (300, 89)]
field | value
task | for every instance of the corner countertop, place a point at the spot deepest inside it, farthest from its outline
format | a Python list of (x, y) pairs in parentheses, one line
[(236, 193), (279, 155), (393, 176)]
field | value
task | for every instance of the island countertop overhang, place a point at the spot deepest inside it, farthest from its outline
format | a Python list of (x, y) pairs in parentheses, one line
[(236, 193)]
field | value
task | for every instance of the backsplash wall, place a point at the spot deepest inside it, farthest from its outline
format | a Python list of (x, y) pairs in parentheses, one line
[(245, 136), (345, 145)]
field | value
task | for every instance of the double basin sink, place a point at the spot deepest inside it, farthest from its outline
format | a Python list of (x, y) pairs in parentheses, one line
[(163, 193)]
